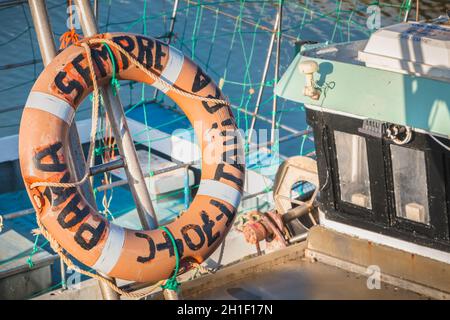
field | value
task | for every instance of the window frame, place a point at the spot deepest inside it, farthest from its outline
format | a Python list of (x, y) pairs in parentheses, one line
[(379, 212), (438, 227)]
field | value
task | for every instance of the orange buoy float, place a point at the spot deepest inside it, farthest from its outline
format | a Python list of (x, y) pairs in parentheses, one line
[(60, 206)]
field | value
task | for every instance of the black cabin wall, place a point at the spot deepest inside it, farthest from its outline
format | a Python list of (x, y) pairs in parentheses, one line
[(382, 217)]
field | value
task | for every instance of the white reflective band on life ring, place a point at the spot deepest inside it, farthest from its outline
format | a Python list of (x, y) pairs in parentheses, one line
[(172, 70), (51, 104), (219, 190), (112, 249)]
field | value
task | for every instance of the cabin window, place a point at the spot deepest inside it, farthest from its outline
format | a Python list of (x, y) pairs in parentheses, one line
[(353, 169), (410, 184)]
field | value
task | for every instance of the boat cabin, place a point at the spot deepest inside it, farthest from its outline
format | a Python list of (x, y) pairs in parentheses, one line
[(380, 111)]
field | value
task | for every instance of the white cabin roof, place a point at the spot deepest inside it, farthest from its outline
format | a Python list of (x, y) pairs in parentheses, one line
[(421, 48)]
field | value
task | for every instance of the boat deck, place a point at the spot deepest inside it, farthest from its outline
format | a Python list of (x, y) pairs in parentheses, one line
[(304, 280), (284, 274)]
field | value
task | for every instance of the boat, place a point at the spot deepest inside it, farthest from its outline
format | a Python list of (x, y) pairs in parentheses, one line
[(345, 211)]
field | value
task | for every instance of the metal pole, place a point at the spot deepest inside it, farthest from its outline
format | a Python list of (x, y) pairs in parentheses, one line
[(122, 135), (105, 167), (417, 10), (172, 21), (277, 67), (264, 76), (18, 214), (96, 9), (298, 238), (121, 132), (77, 164), (147, 175), (63, 274), (169, 40), (48, 50), (43, 30)]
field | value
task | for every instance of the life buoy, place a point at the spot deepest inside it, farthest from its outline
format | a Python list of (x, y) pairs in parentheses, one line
[(43, 151)]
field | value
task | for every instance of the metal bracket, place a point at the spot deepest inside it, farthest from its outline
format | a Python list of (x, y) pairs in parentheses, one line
[(105, 167), (371, 127)]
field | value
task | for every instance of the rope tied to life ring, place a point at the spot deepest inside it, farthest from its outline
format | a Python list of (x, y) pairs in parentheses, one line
[(114, 82), (71, 35), (171, 283)]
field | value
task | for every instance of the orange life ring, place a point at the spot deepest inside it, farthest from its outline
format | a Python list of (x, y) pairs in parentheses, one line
[(43, 150)]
